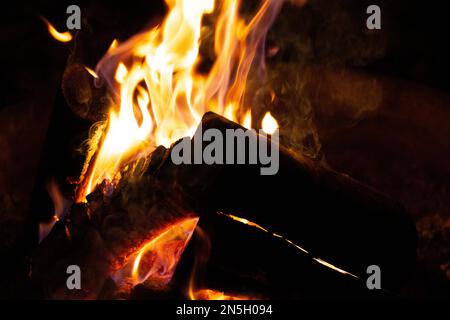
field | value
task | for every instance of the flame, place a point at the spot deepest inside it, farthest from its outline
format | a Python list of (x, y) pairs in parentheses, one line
[(209, 294), (154, 263), (269, 124), (60, 36), (60, 205), (91, 72), (121, 73), (161, 96), (113, 45), (247, 122), (201, 258)]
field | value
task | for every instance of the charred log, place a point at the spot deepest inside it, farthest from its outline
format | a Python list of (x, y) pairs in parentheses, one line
[(331, 215), (244, 261), (101, 235)]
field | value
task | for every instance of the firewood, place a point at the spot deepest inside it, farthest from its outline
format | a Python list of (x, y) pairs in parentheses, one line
[(102, 235), (330, 214), (229, 257), (242, 261)]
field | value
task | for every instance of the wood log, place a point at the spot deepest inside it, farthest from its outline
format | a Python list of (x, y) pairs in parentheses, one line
[(243, 262), (329, 214), (238, 260), (100, 236)]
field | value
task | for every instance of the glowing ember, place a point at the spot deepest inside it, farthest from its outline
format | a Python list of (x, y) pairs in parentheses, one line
[(60, 36), (329, 265), (155, 262), (322, 262), (245, 221), (161, 96)]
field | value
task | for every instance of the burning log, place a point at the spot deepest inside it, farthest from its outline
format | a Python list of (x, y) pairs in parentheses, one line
[(331, 215), (241, 261), (112, 238), (109, 233), (227, 260), (342, 225)]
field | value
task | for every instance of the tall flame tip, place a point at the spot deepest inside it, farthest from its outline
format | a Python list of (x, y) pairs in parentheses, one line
[(164, 61)]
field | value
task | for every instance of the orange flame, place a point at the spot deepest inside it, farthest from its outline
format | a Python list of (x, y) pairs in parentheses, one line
[(209, 294), (60, 36), (201, 258), (60, 204), (155, 262), (161, 95)]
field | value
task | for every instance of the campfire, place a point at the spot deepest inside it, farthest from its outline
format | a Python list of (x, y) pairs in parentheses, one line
[(140, 226)]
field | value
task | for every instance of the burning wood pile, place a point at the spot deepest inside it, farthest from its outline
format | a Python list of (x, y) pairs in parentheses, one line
[(139, 225)]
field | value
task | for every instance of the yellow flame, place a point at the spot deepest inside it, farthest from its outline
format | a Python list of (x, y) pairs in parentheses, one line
[(247, 122), (121, 73), (60, 36), (163, 62), (269, 124)]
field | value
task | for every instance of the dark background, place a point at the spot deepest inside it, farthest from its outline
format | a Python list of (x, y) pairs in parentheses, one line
[(400, 147)]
